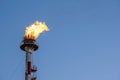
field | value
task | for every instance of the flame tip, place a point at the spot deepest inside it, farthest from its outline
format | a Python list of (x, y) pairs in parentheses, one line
[(33, 31)]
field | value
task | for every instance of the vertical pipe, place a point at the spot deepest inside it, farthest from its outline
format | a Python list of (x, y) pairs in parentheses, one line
[(28, 64)]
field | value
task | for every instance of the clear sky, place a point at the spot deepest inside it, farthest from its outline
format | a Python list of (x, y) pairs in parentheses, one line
[(83, 42)]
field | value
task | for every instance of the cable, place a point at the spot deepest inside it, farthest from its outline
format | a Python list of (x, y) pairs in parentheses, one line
[(17, 67)]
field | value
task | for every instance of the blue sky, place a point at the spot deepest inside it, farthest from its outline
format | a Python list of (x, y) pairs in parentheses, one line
[(83, 42)]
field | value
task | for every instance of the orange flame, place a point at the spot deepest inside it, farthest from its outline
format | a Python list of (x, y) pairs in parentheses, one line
[(33, 31)]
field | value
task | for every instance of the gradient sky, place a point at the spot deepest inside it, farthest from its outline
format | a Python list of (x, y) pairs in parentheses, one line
[(83, 42)]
